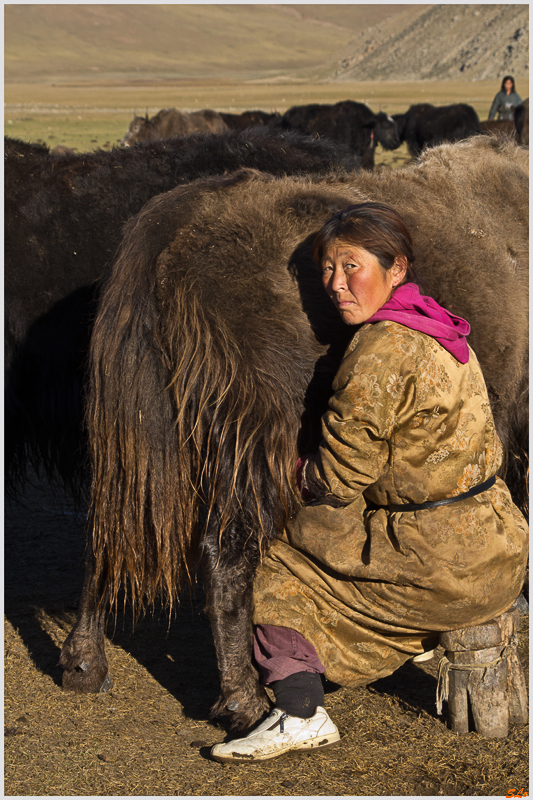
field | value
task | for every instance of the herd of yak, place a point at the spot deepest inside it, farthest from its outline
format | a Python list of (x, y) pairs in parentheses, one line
[(348, 122), (169, 348)]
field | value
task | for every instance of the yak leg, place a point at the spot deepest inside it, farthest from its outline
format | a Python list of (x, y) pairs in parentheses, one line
[(83, 656), (229, 608)]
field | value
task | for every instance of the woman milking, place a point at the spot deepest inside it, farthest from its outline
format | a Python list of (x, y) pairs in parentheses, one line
[(406, 531)]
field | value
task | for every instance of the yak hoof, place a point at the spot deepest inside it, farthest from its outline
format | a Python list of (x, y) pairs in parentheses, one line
[(83, 679), (243, 713)]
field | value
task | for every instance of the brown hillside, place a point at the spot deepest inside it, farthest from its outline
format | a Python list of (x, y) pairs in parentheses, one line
[(47, 42)]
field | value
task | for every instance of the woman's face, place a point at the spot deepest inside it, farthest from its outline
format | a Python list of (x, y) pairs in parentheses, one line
[(508, 85), (356, 282)]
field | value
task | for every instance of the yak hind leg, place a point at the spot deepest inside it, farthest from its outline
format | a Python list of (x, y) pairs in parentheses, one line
[(83, 658), (229, 609)]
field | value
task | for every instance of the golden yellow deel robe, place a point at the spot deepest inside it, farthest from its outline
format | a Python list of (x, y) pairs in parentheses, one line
[(368, 588)]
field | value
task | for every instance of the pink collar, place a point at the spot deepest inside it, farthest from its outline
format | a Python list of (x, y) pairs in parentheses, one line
[(420, 313)]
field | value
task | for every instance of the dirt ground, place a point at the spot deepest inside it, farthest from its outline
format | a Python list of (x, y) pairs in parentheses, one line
[(150, 735)]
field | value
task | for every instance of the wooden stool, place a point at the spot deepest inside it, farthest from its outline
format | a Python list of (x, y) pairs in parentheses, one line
[(481, 673)]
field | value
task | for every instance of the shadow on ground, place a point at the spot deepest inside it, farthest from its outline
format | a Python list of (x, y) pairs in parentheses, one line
[(151, 733)]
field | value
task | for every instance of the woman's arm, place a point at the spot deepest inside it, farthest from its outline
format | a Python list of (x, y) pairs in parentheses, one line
[(372, 393)]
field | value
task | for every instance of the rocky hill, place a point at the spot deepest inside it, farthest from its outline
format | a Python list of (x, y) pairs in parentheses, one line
[(445, 42)]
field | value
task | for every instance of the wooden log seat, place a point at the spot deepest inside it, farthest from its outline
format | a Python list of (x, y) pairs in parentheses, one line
[(482, 678)]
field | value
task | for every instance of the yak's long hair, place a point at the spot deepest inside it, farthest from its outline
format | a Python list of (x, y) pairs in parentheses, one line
[(198, 380), (213, 330)]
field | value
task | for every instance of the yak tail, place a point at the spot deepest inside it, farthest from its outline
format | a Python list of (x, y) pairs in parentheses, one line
[(184, 432), (141, 528), (237, 422)]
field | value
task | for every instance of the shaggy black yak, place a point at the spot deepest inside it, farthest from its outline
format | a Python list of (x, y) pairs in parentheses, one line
[(210, 360), (425, 125), (63, 224), (249, 119), (348, 122)]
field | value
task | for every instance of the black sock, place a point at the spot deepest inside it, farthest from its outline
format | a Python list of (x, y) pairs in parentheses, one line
[(299, 694)]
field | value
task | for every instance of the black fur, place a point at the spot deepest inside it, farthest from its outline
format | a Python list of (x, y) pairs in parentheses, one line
[(63, 223), (425, 125), (353, 124)]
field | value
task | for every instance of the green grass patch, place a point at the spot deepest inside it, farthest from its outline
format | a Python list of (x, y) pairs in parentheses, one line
[(79, 132)]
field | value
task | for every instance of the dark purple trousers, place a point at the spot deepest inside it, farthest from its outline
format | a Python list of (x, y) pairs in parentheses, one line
[(280, 652)]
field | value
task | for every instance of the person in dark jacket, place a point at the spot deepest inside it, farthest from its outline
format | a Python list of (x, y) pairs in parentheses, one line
[(505, 101)]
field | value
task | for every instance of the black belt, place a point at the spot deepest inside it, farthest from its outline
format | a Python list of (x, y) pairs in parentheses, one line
[(482, 487)]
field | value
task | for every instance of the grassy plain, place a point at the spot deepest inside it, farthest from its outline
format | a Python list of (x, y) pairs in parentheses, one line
[(58, 42), (96, 115)]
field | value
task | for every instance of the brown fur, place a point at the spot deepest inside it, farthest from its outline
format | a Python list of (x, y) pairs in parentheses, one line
[(214, 339), (173, 122), (498, 127), (521, 121)]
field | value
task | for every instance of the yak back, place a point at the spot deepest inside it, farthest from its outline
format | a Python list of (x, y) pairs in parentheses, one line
[(498, 127), (213, 332), (173, 122), (249, 119), (353, 124), (426, 125), (55, 204), (521, 122)]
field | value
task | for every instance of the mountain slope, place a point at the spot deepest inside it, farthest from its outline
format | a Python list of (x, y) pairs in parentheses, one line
[(446, 42)]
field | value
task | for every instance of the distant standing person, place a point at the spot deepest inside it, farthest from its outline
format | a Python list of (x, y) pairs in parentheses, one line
[(506, 100)]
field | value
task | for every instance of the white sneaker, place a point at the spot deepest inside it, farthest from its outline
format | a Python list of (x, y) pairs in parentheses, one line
[(278, 734)]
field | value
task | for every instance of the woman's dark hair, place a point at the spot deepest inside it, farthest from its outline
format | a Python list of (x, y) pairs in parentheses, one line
[(507, 78), (376, 227)]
